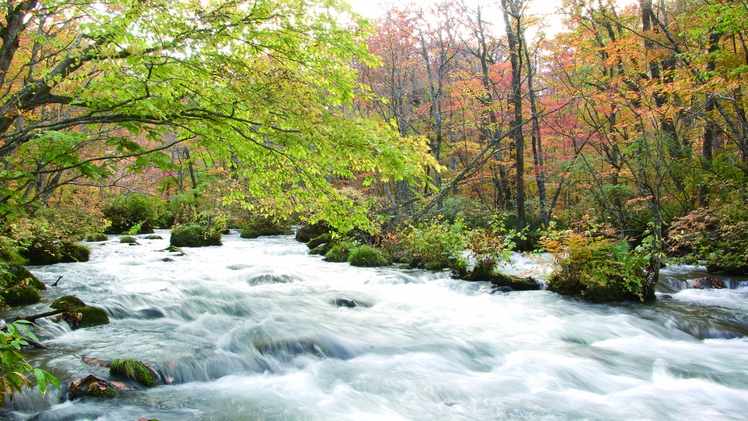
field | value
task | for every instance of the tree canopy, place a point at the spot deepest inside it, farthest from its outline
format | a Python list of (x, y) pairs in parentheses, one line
[(262, 89)]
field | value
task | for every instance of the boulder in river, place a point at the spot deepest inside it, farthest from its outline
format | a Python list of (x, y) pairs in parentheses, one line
[(22, 287), (91, 387), (347, 302), (86, 316), (707, 282), (67, 302), (134, 370)]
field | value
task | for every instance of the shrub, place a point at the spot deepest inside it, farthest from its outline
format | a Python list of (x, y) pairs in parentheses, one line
[(49, 237), (432, 246), (127, 211), (719, 237), (97, 237), (600, 269), (194, 235), (487, 248), (367, 256)]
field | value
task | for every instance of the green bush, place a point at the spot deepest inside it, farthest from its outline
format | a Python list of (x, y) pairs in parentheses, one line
[(97, 237), (719, 237), (432, 246), (367, 256), (194, 235), (339, 252), (600, 269), (125, 212), (49, 237)]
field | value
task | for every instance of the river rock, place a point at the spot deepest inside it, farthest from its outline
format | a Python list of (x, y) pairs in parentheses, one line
[(707, 282), (347, 302), (67, 302), (22, 287), (134, 370), (91, 387), (516, 283)]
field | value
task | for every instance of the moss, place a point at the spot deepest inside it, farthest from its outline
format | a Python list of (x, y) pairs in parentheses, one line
[(307, 232), (67, 302), (515, 282), (367, 256), (154, 237), (128, 240), (322, 249), (134, 370), (173, 249), (92, 316), (92, 387), (21, 276), (319, 240), (194, 235), (339, 252), (21, 294), (97, 237), (262, 227), (72, 253), (436, 265)]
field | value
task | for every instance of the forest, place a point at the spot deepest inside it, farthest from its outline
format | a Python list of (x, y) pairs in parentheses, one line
[(617, 142)]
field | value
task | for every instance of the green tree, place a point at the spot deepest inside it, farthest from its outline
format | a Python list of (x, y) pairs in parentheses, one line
[(262, 87)]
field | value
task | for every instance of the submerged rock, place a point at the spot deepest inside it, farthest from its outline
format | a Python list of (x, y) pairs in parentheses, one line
[(347, 302), (91, 387), (707, 282), (134, 370)]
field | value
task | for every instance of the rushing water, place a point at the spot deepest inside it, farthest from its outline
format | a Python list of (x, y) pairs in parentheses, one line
[(252, 331)]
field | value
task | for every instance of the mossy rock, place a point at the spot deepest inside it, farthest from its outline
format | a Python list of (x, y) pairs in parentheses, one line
[(91, 387), (97, 237), (339, 252), (367, 256), (92, 316), (194, 235), (67, 302), (264, 227), (154, 237), (173, 249), (514, 282), (21, 295), (20, 276), (127, 239), (134, 370), (322, 249), (436, 265), (319, 240), (73, 253), (308, 232)]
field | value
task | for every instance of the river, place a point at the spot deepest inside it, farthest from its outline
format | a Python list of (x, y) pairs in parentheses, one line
[(252, 330)]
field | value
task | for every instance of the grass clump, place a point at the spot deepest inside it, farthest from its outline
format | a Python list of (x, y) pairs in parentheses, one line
[(367, 256), (339, 252)]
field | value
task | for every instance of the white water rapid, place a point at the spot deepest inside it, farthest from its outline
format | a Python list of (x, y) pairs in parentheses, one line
[(252, 330)]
